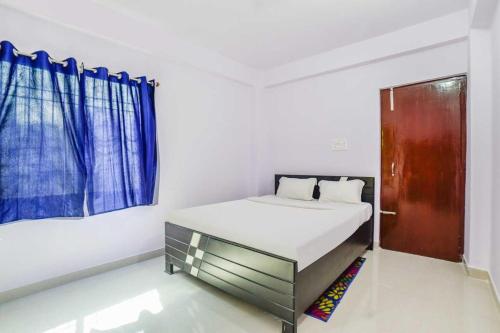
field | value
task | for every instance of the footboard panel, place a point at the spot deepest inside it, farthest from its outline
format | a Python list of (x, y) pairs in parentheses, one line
[(260, 278)]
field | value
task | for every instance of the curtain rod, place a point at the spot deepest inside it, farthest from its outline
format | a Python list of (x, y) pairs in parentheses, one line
[(65, 63), (118, 75)]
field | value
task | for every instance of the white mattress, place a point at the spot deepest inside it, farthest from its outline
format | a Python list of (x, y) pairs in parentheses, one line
[(300, 230)]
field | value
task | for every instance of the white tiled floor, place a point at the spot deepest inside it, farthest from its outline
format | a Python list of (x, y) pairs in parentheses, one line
[(394, 292)]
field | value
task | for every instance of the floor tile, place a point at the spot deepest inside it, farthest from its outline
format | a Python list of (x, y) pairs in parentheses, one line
[(394, 292)]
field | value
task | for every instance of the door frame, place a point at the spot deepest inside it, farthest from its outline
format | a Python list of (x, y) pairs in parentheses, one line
[(463, 129)]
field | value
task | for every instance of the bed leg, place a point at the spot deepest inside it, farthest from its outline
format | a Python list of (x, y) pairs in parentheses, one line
[(169, 268), (288, 328), (370, 247)]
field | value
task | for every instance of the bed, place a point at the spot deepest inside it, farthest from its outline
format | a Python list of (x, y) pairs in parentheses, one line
[(278, 254)]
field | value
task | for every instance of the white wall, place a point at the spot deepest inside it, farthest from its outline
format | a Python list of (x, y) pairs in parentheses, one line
[(495, 226), (205, 126), (481, 13), (210, 149), (300, 119), (335, 94), (479, 148)]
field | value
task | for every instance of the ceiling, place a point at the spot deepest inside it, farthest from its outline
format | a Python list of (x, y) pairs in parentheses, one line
[(268, 33)]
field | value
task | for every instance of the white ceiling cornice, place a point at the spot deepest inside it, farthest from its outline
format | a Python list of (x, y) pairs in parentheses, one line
[(437, 32), (151, 37), (265, 34), (94, 19)]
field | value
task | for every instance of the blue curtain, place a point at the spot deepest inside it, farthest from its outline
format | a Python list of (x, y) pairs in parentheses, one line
[(147, 97), (120, 149), (42, 172)]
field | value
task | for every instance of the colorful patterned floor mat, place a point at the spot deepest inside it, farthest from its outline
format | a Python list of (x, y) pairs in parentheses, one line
[(326, 304)]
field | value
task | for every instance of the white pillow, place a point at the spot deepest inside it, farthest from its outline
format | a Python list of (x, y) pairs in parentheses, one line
[(342, 191), (295, 188)]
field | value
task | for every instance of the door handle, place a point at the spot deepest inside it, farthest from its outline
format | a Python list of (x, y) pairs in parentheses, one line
[(385, 212), (392, 169)]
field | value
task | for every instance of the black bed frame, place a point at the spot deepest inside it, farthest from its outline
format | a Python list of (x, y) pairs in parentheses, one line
[(266, 280)]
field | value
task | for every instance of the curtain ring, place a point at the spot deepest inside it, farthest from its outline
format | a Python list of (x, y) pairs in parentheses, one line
[(63, 63), (117, 75), (17, 53)]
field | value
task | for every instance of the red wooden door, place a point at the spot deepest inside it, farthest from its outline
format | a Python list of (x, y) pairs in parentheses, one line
[(423, 168)]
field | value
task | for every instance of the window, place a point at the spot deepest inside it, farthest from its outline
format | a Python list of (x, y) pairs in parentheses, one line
[(64, 134), (117, 144), (42, 169)]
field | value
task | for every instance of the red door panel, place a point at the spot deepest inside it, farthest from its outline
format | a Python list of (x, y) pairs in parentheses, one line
[(423, 168)]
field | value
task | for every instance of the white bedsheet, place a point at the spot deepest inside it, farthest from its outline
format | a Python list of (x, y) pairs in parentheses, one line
[(300, 230)]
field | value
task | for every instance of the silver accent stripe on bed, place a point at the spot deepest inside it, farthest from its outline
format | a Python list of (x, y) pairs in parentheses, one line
[(198, 254)]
